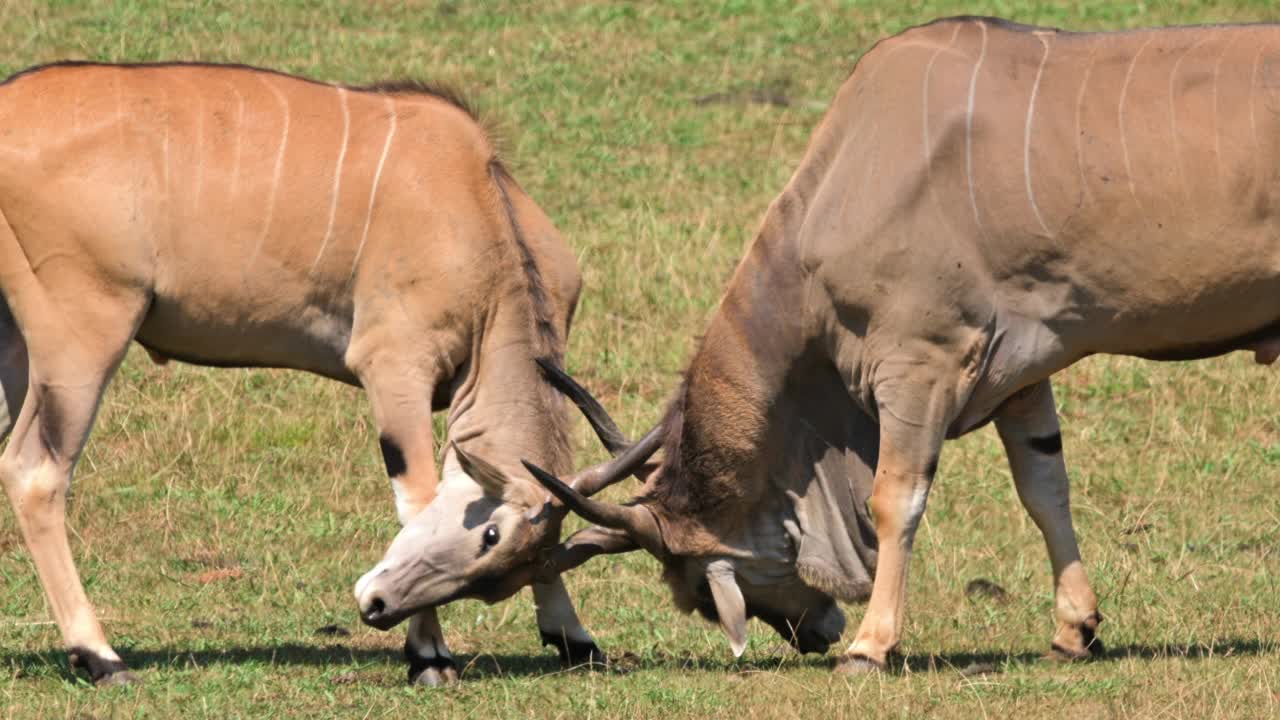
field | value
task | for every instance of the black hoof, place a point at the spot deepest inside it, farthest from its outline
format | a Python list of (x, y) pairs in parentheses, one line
[(573, 653), (438, 671), (434, 676), (102, 672), (854, 664), (118, 679)]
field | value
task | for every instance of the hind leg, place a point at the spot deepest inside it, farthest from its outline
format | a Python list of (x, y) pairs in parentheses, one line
[(68, 372), (1028, 427)]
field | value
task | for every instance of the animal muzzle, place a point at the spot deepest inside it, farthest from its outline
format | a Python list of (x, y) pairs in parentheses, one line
[(812, 641), (381, 604), (817, 637), (813, 636)]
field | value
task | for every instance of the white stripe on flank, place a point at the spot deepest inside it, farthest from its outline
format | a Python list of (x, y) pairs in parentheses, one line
[(337, 175), (1217, 129), (924, 120), (924, 100), (237, 133), (1253, 118), (199, 150), (278, 172), (1026, 140), (1084, 83), (373, 191), (167, 119), (1173, 112), (968, 129), (1124, 143), (883, 61)]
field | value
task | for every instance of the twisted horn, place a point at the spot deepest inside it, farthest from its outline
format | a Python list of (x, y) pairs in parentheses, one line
[(618, 517), (593, 480), (637, 522), (603, 425)]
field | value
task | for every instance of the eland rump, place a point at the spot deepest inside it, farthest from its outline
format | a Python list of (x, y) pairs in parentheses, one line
[(232, 216), (983, 205)]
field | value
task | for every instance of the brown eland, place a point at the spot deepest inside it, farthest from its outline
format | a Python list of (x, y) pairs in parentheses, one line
[(983, 205), (233, 216)]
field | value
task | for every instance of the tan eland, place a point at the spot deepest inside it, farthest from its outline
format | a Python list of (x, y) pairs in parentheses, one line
[(232, 216), (983, 205)]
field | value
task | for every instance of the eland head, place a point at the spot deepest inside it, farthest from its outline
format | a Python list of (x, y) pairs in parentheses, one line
[(488, 532), (755, 543)]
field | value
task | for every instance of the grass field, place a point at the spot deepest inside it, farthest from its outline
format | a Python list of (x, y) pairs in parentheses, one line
[(221, 517)]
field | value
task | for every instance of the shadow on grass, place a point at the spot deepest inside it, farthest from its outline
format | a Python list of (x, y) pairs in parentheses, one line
[(497, 665), (284, 654), (1193, 651), (341, 657), (491, 666)]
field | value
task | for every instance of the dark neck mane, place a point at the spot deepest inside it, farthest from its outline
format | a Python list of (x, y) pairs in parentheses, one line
[(539, 406), (546, 341), (716, 427)]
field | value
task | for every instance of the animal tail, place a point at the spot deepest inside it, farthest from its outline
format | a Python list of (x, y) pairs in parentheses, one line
[(18, 284)]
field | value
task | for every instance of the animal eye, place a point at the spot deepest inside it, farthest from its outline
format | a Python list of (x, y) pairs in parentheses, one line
[(490, 537)]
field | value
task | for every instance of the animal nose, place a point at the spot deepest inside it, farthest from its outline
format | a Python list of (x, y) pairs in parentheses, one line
[(811, 643), (373, 611), (376, 604)]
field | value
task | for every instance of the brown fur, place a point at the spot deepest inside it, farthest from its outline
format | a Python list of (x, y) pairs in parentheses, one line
[(984, 204), (236, 216)]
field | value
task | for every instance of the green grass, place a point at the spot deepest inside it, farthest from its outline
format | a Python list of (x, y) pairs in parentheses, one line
[(220, 517)]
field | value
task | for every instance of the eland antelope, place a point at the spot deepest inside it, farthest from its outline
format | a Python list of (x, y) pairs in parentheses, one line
[(233, 216), (983, 205)]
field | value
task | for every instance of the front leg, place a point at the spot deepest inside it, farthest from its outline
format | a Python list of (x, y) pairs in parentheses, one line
[(559, 626), (1028, 427), (401, 400), (916, 400), (430, 662), (901, 490)]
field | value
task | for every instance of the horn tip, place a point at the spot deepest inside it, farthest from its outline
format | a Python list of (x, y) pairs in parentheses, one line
[(539, 474)]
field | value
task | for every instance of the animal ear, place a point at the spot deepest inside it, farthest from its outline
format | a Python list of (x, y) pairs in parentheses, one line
[(730, 606), (488, 477)]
